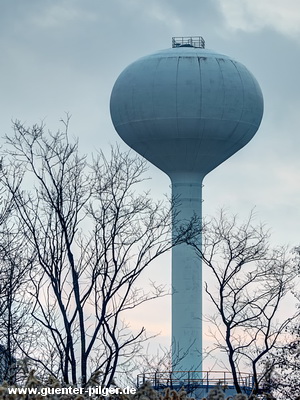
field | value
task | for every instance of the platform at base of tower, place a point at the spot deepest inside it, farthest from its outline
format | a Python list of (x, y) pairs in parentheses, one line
[(197, 383)]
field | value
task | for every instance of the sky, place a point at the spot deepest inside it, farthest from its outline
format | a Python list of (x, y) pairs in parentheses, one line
[(61, 56)]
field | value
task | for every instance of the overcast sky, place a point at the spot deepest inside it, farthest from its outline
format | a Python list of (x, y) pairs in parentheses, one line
[(62, 56)]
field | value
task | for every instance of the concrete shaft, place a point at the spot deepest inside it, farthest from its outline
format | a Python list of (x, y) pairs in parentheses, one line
[(186, 277)]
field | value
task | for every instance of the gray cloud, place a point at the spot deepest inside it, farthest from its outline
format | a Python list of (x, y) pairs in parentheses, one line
[(64, 55)]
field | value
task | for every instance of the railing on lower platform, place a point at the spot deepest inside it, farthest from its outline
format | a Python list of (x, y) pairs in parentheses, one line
[(194, 379)]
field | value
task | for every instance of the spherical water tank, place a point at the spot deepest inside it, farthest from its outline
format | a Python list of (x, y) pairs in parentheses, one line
[(186, 109)]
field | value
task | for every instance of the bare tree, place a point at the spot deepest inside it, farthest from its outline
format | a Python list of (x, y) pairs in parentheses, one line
[(284, 363), (15, 325), (92, 236), (285, 376), (248, 282)]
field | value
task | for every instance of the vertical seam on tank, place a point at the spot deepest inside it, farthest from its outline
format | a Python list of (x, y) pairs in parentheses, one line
[(153, 102), (132, 97), (177, 67), (223, 88), (233, 62), (200, 81), (249, 123), (154, 80), (200, 116), (245, 133), (240, 118)]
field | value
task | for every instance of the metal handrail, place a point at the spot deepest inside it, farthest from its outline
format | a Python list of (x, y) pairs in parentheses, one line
[(188, 41), (193, 378)]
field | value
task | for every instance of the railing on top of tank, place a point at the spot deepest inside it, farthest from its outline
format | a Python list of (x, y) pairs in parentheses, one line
[(188, 379), (188, 41)]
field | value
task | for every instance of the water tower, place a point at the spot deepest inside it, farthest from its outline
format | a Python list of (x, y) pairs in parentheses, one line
[(186, 110)]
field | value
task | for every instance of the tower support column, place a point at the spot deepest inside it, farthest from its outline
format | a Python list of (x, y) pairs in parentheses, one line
[(186, 277)]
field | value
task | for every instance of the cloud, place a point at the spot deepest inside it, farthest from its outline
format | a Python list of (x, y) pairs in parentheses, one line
[(57, 15), (254, 15)]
